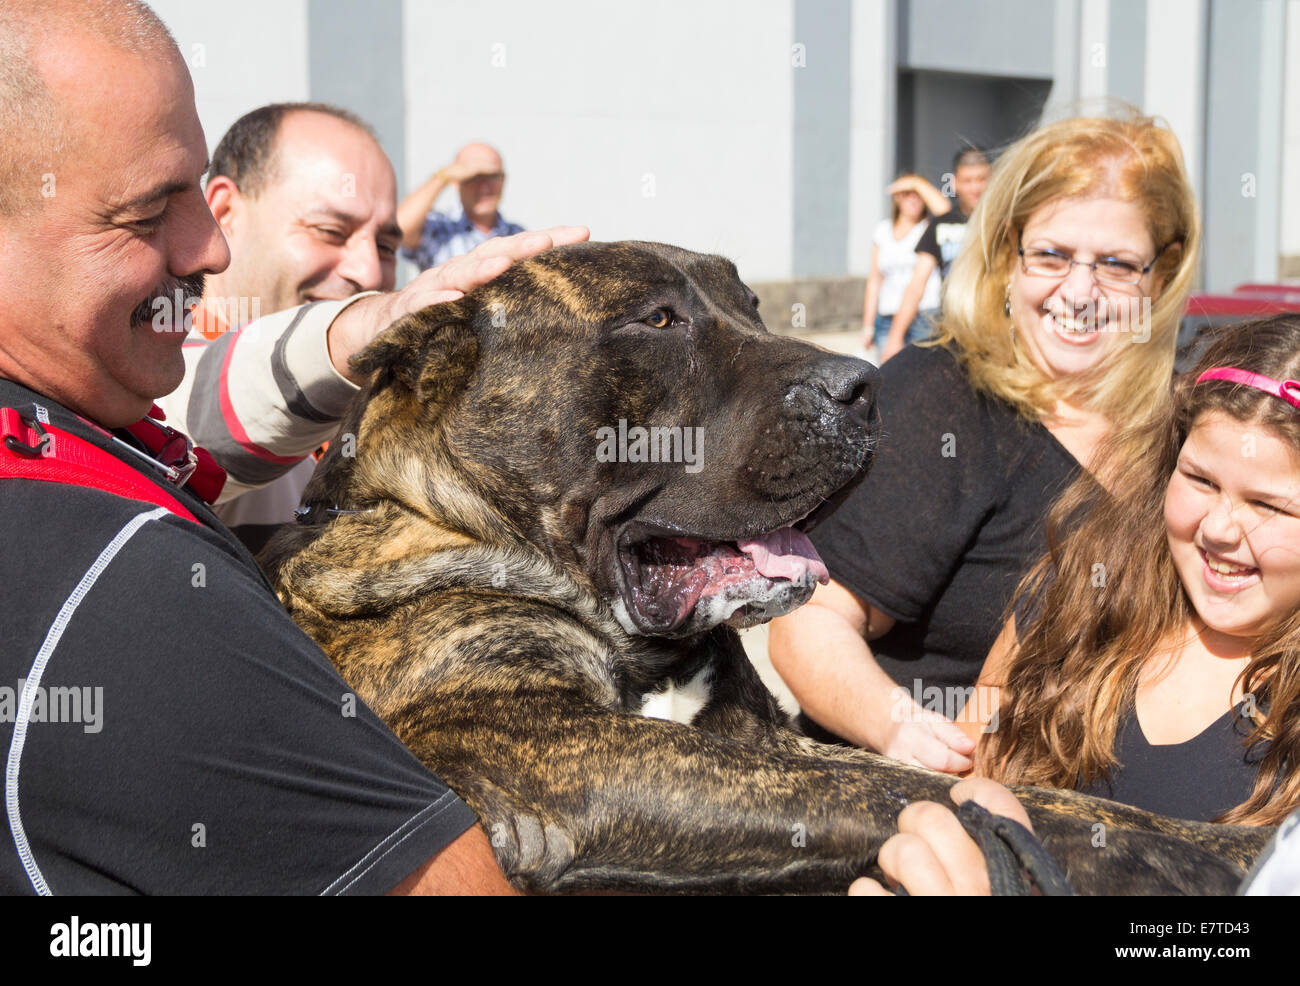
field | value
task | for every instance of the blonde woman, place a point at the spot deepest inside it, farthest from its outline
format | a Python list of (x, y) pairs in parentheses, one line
[(1059, 322)]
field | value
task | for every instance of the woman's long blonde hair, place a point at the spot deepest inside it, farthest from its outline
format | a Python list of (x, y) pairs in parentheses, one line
[(1107, 596), (1132, 158)]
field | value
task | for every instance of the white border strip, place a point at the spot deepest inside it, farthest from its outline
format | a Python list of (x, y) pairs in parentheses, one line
[(33, 682)]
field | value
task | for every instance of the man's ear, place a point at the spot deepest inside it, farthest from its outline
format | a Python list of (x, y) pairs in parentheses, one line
[(432, 352), (224, 199)]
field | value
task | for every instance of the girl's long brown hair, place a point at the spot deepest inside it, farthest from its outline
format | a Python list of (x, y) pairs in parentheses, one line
[(1106, 597)]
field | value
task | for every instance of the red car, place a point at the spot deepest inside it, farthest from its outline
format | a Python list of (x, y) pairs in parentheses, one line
[(1246, 301)]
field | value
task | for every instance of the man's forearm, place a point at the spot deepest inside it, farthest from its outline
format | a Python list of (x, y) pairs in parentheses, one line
[(414, 208), (466, 866), (264, 397)]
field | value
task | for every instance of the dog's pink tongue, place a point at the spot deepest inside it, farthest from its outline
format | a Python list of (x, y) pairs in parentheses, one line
[(785, 554)]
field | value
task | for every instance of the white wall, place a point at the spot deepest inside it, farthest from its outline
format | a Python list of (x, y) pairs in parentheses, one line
[(1175, 75), (1290, 219), (1093, 56), (242, 54), (596, 105)]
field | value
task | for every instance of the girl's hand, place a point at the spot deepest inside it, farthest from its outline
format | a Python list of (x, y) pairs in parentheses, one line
[(932, 855)]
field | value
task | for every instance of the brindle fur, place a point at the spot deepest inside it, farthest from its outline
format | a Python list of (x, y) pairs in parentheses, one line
[(469, 604)]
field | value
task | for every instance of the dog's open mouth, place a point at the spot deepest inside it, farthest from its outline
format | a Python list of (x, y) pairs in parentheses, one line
[(673, 585)]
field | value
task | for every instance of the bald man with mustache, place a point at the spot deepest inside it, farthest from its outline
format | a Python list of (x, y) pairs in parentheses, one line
[(224, 755)]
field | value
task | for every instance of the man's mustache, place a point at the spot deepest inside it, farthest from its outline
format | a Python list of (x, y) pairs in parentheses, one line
[(190, 289)]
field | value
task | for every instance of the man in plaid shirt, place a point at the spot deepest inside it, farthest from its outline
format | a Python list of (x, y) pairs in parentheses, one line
[(429, 238)]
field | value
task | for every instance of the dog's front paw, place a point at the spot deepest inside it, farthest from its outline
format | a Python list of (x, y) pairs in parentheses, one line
[(532, 854)]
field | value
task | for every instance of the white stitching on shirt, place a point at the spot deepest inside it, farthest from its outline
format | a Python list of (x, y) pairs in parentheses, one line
[(369, 861), (52, 637)]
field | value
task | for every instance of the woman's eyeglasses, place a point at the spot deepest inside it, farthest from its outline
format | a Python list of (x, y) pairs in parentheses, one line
[(1106, 270)]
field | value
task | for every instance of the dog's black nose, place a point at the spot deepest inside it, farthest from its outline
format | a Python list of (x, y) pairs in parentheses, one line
[(844, 379)]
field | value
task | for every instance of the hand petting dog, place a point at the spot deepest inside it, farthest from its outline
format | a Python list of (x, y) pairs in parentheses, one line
[(361, 321)]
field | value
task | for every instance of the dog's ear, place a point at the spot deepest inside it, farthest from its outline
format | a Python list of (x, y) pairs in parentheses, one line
[(431, 353)]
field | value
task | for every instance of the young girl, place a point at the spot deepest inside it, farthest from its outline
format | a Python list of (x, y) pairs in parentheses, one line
[(1158, 659)]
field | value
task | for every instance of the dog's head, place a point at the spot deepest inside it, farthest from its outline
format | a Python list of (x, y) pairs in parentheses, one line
[(622, 407)]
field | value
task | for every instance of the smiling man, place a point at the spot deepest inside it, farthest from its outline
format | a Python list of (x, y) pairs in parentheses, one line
[(229, 757), (307, 199), (95, 229)]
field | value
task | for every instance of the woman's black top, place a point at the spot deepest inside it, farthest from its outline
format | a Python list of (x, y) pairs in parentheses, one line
[(948, 520)]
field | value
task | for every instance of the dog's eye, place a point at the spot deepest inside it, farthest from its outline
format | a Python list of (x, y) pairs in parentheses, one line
[(659, 319)]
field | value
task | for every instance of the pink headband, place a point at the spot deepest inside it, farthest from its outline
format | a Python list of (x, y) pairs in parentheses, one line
[(1288, 390)]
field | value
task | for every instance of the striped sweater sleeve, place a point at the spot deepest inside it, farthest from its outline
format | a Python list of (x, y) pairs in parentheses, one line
[(263, 397)]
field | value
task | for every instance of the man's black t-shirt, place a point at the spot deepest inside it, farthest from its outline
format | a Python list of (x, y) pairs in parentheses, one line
[(947, 521), (186, 736), (943, 238)]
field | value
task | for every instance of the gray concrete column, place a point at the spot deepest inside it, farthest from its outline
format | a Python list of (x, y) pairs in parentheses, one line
[(821, 128), (1126, 51), (354, 57), (1243, 142)]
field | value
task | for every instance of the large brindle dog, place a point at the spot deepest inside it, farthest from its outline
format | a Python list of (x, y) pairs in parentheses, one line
[(565, 492)]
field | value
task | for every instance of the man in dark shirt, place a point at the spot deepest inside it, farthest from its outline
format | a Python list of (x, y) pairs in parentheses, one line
[(941, 241), (168, 728)]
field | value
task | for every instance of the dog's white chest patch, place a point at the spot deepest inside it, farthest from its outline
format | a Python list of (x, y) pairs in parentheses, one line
[(680, 703)]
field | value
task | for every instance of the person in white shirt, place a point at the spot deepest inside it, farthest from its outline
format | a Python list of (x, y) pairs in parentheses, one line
[(893, 259)]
